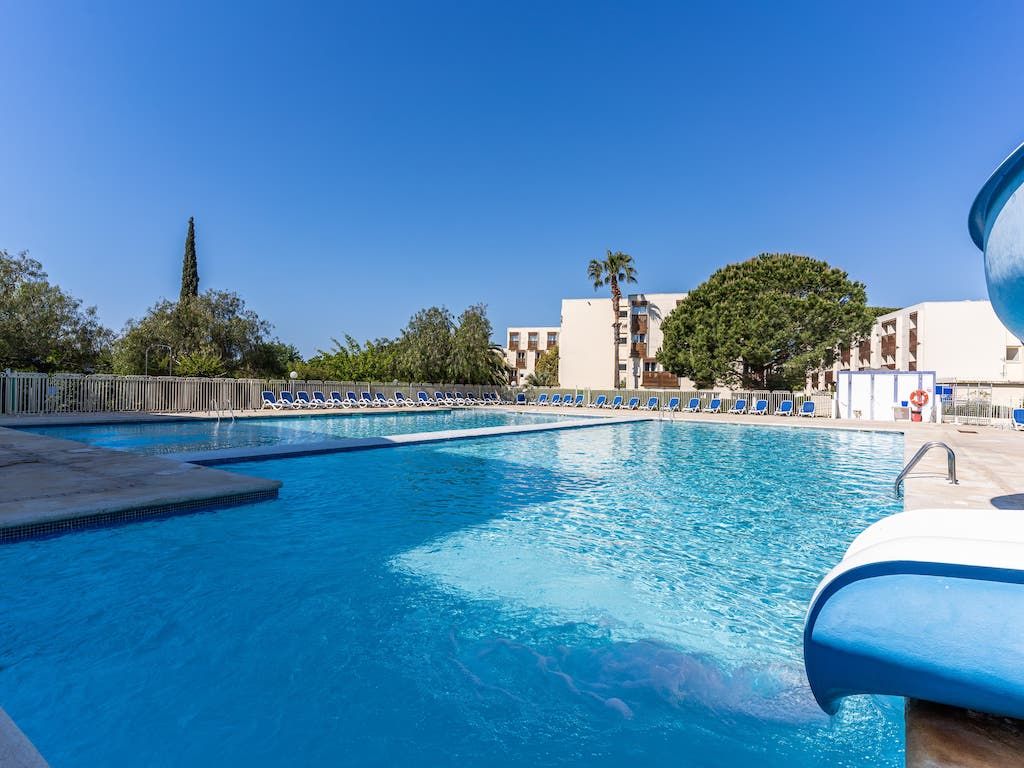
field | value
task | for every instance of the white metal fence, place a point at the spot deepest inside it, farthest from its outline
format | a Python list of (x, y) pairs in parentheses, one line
[(40, 393)]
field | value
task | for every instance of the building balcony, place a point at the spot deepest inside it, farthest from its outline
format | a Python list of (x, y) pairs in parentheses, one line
[(659, 380), (532, 345), (638, 324), (521, 365), (638, 349)]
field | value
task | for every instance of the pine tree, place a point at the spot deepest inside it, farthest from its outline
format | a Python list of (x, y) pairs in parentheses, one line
[(189, 267)]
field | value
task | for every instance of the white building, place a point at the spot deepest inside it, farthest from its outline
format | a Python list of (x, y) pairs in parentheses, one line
[(586, 354), (959, 340), (525, 346)]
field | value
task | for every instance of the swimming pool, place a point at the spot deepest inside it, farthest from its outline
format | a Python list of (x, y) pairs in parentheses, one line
[(623, 595), (209, 435)]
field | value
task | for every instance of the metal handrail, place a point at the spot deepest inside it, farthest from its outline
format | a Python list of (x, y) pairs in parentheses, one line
[(950, 463), (215, 409)]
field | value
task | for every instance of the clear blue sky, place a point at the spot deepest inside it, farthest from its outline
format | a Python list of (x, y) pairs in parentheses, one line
[(348, 163)]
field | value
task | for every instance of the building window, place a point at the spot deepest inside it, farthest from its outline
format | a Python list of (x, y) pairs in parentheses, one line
[(639, 338), (650, 366), (521, 356), (1013, 354), (513, 340), (624, 313), (622, 366), (622, 339), (552, 339)]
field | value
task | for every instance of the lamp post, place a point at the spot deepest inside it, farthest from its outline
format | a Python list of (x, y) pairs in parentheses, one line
[(170, 357), (293, 376)]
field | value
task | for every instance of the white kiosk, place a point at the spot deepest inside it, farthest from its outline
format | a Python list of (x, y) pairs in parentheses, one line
[(884, 395)]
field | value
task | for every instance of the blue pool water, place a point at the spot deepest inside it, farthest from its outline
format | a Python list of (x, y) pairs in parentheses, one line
[(623, 595), (207, 435)]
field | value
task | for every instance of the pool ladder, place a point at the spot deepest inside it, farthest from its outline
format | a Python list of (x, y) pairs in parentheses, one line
[(215, 408), (950, 463)]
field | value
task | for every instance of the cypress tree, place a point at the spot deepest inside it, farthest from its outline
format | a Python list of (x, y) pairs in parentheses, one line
[(189, 267)]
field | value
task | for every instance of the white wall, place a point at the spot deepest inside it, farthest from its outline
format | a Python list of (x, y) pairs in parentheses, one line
[(965, 340), (585, 353)]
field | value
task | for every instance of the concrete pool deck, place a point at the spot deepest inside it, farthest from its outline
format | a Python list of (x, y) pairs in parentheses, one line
[(52, 485)]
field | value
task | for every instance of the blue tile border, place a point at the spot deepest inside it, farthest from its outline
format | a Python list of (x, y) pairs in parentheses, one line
[(49, 528)]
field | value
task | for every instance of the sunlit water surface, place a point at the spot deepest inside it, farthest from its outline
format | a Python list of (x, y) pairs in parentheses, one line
[(622, 595)]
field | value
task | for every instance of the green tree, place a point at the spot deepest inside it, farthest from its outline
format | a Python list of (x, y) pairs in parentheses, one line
[(614, 270), (351, 361), (43, 328), (764, 323), (214, 323), (200, 363), (425, 348), (189, 265), (474, 359), (545, 373)]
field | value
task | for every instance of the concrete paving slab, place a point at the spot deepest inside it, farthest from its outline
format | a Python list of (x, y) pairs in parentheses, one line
[(54, 485)]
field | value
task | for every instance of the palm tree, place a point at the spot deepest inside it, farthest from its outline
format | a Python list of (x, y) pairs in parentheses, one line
[(614, 269)]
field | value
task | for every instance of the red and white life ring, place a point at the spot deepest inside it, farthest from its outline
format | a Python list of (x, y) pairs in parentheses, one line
[(918, 398)]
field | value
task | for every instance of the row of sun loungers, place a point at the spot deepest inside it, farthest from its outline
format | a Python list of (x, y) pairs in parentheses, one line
[(759, 408), (302, 399), (288, 401)]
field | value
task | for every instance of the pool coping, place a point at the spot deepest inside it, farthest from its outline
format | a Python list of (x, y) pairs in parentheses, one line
[(56, 486), (341, 445)]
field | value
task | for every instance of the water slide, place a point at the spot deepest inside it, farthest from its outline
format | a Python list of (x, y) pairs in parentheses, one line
[(929, 604)]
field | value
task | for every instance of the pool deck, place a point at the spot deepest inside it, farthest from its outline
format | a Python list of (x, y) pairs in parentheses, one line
[(53, 485)]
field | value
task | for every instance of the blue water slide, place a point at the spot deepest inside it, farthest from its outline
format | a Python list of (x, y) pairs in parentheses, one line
[(996, 224), (928, 605)]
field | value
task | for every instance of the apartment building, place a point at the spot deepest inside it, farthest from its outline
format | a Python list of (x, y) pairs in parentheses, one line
[(586, 354), (525, 346), (959, 340)]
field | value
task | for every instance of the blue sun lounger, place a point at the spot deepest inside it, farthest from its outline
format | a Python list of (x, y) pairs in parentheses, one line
[(673, 404), (739, 406), (599, 402), (351, 399), (715, 406), (616, 402), (1018, 419), (339, 401), (760, 408), (577, 403), (556, 399), (542, 399), (692, 406), (402, 401), (270, 400), (289, 401), (423, 398), (634, 403), (322, 402), (521, 398), (806, 408), (785, 408), (383, 401), (652, 404), (303, 401), (366, 400)]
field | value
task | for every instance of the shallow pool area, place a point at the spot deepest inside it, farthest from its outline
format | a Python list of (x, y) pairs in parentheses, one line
[(193, 435), (632, 594)]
